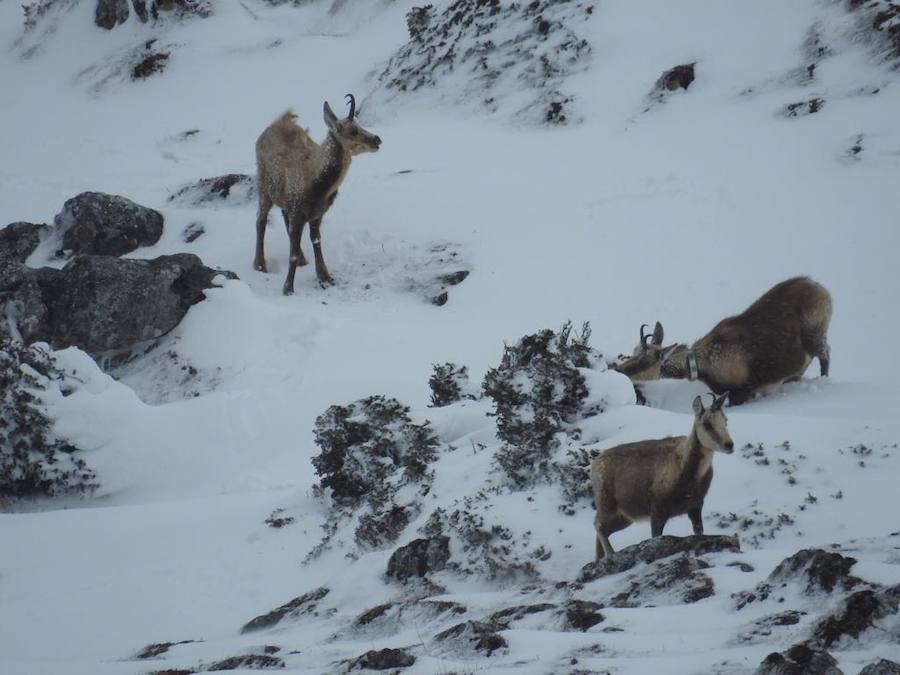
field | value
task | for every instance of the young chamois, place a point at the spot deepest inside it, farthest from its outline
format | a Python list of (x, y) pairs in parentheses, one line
[(658, 479), (302, 178), (771, 342)]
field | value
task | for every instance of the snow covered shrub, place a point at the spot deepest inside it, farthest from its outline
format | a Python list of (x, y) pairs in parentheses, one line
[(449, 383), (490, 550), (878, 22), (365, 443), (32, 462), (417, 20), (378, 529), (36, 10), (538, 392), (152, 62), (487, 52), (371, 451), (574, 478)]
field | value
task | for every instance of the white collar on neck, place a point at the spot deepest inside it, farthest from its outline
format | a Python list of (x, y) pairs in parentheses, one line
[(693, 370)]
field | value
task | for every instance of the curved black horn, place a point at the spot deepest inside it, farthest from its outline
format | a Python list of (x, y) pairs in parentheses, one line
[(713, 398), (644, 337), (352, 106)]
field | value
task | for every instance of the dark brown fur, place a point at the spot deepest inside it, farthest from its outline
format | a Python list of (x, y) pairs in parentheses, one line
[(771, 342)]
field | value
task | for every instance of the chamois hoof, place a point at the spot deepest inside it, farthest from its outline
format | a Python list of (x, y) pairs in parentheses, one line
[(287, 290), (260, 267), (325, 282)]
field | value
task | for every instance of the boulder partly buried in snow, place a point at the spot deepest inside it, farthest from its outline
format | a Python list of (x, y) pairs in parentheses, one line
[(657, 548), (103, 224), (862, 611), (678, 580), (383, 659), (18, 241), (813, 571), (101, 303), (418, 558), (110, 13), (799, 660), (472, 636), (307, 603), (233, 189), (881, 667), (679, 77), (582, 614)]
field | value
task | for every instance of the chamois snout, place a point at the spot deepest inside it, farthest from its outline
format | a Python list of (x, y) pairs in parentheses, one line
[(712, 426), (349, 132)]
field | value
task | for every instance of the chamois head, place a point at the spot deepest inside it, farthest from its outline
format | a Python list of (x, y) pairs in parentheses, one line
[(349, 133), (647, 356), (711, 425)]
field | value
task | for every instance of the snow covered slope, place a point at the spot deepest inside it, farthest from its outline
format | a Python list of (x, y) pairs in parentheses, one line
[(683, 211)]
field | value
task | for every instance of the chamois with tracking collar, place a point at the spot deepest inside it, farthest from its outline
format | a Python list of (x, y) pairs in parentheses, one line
[(771, 342), (302, 178), (658, 479)]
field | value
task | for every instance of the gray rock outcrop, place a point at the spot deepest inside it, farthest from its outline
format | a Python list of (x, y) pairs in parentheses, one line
[(103, 224), (419, 557), (96, 302), (656, 548)]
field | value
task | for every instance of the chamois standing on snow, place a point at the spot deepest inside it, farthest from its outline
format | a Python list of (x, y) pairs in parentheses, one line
[(302, 178), (658, 479), (771, 342)]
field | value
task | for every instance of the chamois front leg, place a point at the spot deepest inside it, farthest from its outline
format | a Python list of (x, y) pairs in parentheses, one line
[(321, 270), (603, 547), (295, 229), (262, 217), (658, 520), (604, 527), (696, 519)]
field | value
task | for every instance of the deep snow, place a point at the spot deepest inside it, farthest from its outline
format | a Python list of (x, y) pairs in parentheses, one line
[(683, 214)]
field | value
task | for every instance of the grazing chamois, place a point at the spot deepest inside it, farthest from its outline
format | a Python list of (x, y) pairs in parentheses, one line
[(302, 178), (771, 342), (658, 479)]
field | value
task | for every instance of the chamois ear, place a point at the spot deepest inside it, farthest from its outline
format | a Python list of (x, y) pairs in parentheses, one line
[(719, 401), (330, 118), (698, 406), (658, 334)]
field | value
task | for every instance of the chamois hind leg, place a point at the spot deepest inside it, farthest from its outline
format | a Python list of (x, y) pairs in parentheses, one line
[(817, 346), (696, 519), (262, 217), (301, 260), (658, 519), (316, 236), (823, 353)]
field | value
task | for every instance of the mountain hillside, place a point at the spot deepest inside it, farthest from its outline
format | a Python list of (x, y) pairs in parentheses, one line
[(392, 472)]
